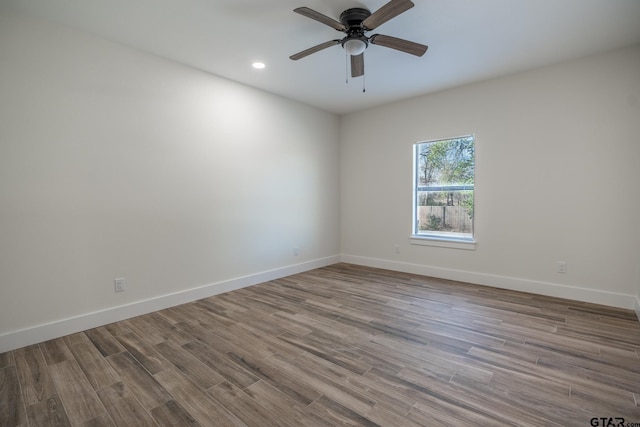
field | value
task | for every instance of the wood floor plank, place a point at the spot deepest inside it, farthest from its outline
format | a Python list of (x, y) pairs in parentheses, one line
[(272, 344), (12, 409), (189, 365), (168, 330), (138, 379), (48, 413), (384, 397), (103, 420), (288, 325), (280, 377), (318, 347), (620, 357), (6, 359), (171, 315), (76, 393), (338, 345), (592, 400), (118, 328), (582, 368), (34, 376), (400, 353), (389, 364), (548, 396), (238, 336), (197, 313), (200, 405), (123, 407), (171, 413), (98, 371), (244, 407), (104, 341), (221, 364), (383, 416), (305, 321), (78, 338), (500, 359), (144, 326), (443, 413), (326, 383), (337, 414), (144, 353), (55, 351), (221, 307), (470, 399), (287, 408)]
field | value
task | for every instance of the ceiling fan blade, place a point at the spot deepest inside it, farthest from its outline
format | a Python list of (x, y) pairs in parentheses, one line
[(314, 49), (357, 65), (413, 48), (310, 13), (387, 12)]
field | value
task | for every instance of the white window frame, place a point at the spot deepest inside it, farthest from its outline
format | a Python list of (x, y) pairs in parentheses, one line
[(434, 238)]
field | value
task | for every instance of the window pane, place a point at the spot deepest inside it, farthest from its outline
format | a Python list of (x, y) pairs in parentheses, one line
[(445, 211), (444, 187), (446, 162)]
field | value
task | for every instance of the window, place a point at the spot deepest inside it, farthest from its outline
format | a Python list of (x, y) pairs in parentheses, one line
[(444, 185)]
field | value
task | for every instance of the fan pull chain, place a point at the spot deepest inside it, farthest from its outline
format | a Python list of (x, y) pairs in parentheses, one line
[(346, 67), (363, 87)]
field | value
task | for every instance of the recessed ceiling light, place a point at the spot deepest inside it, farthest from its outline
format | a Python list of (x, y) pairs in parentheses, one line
[(259, 65)]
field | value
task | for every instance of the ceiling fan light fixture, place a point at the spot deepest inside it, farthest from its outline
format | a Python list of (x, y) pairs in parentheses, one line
[(355, 47)]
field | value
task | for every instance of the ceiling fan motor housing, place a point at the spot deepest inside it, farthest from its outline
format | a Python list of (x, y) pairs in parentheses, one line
[(352, 18)]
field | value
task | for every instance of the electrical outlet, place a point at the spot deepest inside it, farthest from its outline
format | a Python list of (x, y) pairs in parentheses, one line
[(118, 285), (562, 267), (296, 251), (397, 249)]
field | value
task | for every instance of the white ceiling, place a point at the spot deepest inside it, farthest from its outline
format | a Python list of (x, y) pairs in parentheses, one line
[(469, 40)]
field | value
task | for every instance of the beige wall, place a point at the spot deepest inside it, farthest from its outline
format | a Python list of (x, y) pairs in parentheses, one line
[(566, 137), (114, 163)]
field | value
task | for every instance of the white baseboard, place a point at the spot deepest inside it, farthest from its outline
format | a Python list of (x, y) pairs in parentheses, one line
[(611, 299), (39, 333)]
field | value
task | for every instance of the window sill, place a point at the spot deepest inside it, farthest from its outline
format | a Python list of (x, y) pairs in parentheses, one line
[(443, 242)]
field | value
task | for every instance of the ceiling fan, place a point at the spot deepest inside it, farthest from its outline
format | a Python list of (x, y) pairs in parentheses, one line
[(355, 23)]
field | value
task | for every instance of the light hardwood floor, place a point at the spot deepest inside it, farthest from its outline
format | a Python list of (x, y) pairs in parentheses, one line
[(340, 345)]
